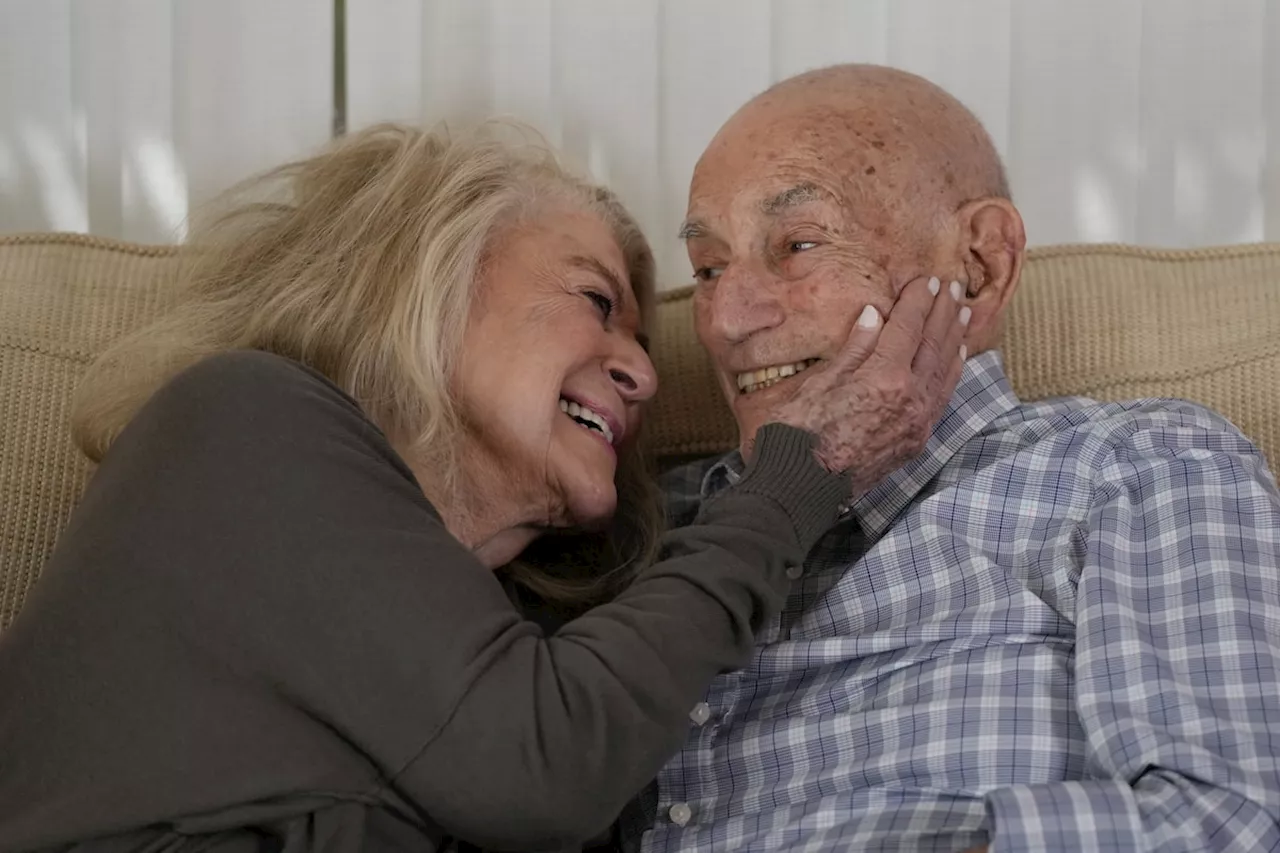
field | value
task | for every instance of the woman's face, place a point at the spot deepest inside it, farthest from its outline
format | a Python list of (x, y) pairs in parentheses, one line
[(554, 370)]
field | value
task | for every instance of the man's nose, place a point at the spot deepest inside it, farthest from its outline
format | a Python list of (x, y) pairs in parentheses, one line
[(632, 372), (742, 304)]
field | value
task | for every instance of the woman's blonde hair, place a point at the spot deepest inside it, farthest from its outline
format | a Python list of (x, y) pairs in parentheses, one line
[(363, 263)]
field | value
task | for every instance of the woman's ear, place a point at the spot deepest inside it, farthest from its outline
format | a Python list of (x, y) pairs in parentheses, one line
[(994, 244)]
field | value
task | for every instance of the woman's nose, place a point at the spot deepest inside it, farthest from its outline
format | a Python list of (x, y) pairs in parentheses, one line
[(632, 372)]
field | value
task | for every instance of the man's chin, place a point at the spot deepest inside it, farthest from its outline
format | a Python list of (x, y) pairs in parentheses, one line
[(747, 429)]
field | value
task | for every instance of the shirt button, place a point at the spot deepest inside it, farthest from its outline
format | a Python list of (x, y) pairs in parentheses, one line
[(680, 814), (700, 713), (795, 572)]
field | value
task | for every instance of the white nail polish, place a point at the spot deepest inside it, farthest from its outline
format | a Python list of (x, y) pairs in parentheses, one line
[(869, 318), (934, 285), (965, 313), (964, 352), (956, 291)]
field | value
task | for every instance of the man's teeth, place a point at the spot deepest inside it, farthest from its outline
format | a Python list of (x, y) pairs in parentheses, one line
[(764, 377), (586, 417)]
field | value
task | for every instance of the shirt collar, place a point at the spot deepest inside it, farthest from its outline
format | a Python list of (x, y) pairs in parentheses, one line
[(984, 393)]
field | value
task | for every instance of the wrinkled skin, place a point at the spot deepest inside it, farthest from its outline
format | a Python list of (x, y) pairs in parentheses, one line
[(556, 319), (874, 406), (830, 193)]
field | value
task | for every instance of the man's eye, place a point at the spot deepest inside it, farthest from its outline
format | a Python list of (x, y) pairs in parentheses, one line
[(800, 246), (604, 303), (707, 273)]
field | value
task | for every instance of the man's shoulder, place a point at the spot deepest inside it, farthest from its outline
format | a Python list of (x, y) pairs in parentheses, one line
[(1092, 431)]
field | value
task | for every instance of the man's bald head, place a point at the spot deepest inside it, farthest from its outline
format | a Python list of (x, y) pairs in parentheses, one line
[(828, 193), (910, 139), (911, 113)]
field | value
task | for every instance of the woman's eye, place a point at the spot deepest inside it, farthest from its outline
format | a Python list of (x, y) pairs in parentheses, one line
[(707, 273), (800, 246), (604, 303)]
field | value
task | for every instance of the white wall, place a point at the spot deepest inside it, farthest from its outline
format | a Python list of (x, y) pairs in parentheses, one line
[(117, 115), (1148, 121)]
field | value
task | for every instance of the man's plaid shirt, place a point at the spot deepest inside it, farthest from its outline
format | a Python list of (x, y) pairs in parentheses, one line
[(1058, 629)]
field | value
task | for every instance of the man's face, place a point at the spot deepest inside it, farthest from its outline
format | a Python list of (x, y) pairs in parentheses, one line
[(788, 246)]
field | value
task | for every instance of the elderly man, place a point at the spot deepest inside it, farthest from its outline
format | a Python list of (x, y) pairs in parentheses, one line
[(1057, 629)]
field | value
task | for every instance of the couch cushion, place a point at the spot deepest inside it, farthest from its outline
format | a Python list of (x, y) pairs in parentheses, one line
[(63, 298), (1109, 322), (1105, 321)]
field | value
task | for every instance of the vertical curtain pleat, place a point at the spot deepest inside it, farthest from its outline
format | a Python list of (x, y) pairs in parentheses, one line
[(1073, 151), (1202, 121), (43, 176), (118, 116)]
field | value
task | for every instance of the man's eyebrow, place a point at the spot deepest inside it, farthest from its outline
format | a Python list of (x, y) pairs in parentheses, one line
[(774, 205), (792, 197), (691, 229)]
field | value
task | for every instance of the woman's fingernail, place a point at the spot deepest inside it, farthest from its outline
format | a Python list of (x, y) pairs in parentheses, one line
[(934, 285), (964, 352), (965, 313), (956, 291), (869, 318)]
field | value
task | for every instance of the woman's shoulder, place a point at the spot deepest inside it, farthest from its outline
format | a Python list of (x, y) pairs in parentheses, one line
[(252, 423), (253, 405), (248, 371), (251, 387)]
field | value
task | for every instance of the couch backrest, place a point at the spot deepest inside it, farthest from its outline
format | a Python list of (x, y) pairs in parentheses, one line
[(1105, 321), (63, 298)]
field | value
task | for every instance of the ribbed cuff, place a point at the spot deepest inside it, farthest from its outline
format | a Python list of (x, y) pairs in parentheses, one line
[(783, 468)]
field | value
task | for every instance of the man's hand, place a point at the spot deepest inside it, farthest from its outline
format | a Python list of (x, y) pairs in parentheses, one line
[(874, 406)]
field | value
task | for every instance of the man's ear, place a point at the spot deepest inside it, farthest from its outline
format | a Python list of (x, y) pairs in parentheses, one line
[(994, 244)]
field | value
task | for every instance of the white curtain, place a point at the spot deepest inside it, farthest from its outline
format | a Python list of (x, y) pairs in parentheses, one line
[(116, 116), (1147, 121)]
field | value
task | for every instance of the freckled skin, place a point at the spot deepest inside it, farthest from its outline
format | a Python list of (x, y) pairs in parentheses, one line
[(874, 405), (906, 185)]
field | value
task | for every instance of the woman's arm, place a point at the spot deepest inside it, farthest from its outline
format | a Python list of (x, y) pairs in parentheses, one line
[(288, 548), (552, 735)]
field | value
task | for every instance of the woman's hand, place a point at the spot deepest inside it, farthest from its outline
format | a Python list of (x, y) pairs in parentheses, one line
[(874, 406)]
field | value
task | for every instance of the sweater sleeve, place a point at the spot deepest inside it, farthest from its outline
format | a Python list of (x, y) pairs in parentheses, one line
[(551, 736), (314, 567)]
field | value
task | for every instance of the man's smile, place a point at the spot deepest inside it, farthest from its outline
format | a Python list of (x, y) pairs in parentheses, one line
[(755, 380)]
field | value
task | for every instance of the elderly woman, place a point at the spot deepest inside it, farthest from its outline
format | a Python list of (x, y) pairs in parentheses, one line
[(271, 624)]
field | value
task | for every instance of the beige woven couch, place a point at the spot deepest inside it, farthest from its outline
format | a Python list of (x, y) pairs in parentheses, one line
[(1105, 321)]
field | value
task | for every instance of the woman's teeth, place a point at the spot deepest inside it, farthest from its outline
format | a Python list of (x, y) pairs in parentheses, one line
[(587, 418), (766, 376)]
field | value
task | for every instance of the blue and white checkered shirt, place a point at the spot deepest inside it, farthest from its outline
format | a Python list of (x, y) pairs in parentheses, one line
[(1058, 629)]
